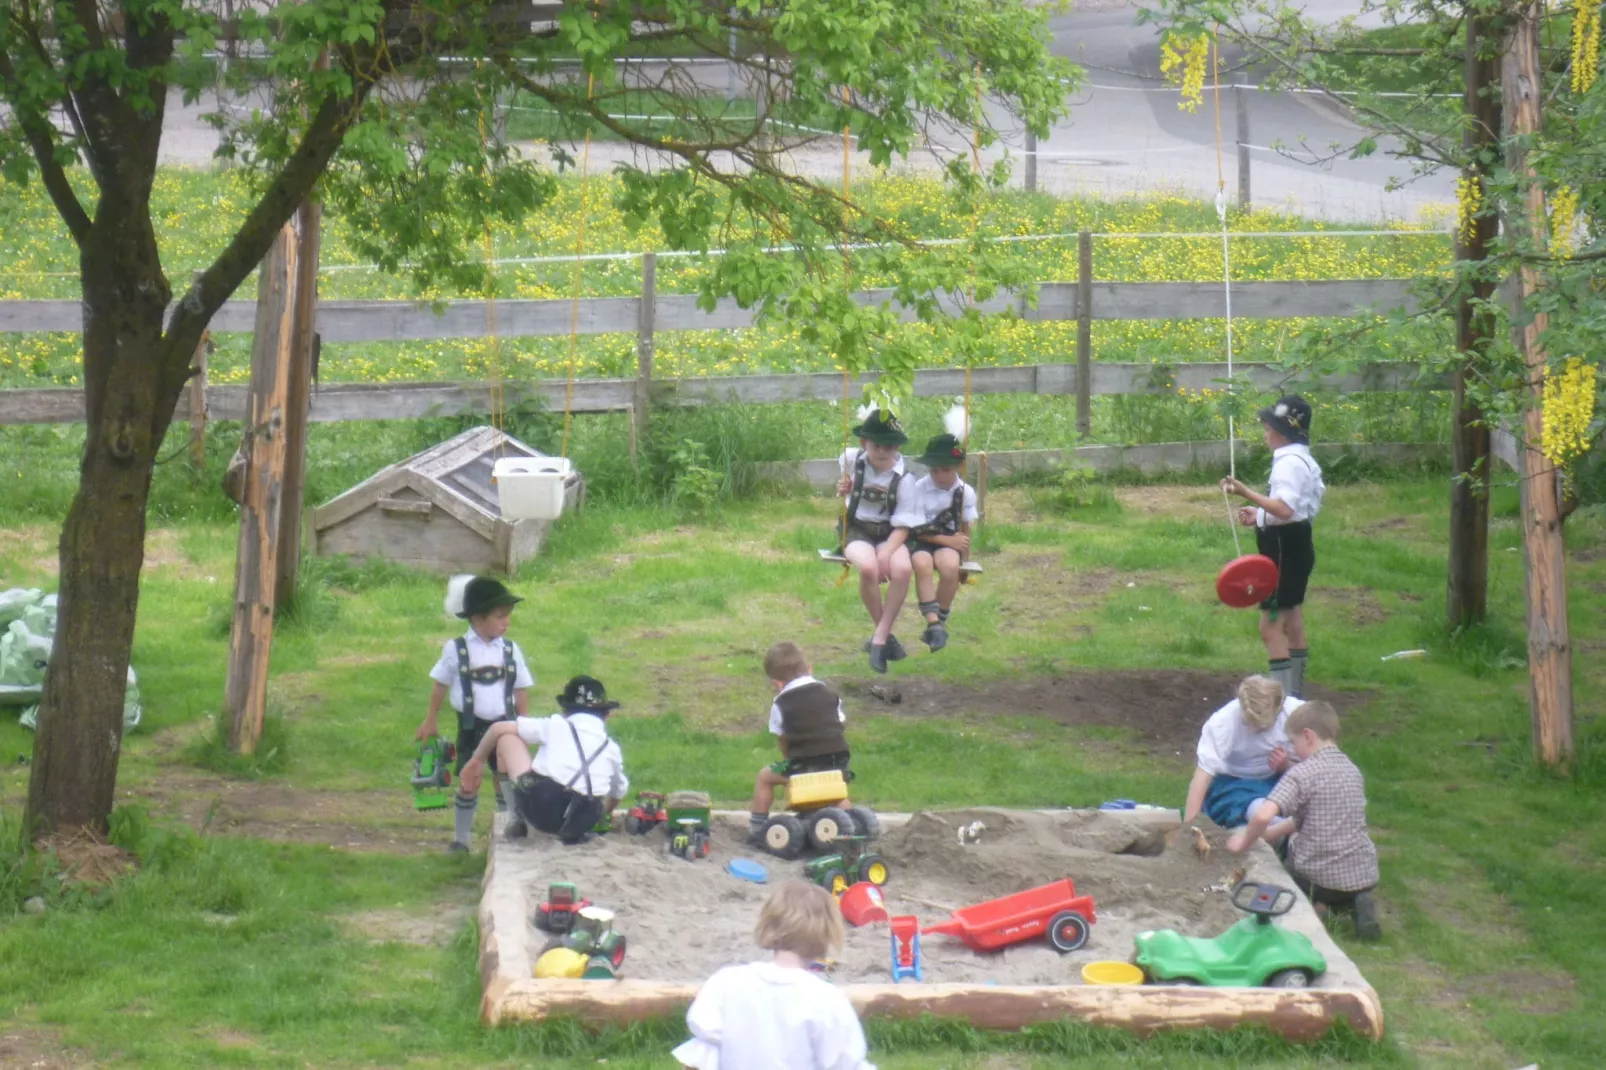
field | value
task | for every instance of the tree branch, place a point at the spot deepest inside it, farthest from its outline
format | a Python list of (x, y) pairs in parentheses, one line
[(42, 140)]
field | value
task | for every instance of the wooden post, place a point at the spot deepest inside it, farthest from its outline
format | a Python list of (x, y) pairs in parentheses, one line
[(1545, 572), (645, 314), (1467, 571), (198, 402), (1241, 100), (298, 399), (1084, 333), (251, 636), (1031, 162)]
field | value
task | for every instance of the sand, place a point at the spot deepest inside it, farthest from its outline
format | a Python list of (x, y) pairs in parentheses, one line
[(684, 920)]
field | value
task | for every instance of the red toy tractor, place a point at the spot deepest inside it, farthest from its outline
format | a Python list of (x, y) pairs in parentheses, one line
[(563, 903), (647, 814)]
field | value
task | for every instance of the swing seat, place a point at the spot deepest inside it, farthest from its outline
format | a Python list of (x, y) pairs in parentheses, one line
[(834, 557), (1247, 581), (530, 488)]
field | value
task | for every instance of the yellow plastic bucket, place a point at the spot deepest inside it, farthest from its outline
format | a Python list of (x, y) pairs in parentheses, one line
[(1112, 973)]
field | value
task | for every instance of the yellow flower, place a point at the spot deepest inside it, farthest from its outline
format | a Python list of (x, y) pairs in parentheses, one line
[(1569, 405), (1586, 46), (1563, 214), (1185, 66), (1468, 203)]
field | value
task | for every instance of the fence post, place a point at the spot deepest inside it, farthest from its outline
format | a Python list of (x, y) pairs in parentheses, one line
[(1031, 162), (1241, 101), (298, 398), (198, 402), (1084, 333), (644, 328)]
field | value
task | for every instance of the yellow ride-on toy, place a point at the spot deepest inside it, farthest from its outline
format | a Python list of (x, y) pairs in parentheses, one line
[(820, 814)]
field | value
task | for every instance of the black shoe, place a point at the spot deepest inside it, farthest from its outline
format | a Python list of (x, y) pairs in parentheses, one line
[(457, 848), (1366, 923), (516, 829), (878, 657), (935, 636), (584, 837), (755, 838), (895, 650)]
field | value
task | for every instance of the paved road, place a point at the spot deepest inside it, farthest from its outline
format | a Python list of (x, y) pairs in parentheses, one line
[(1125, 135)]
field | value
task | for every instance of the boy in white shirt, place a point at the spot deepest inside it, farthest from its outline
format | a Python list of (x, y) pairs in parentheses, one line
[(778, 1015), (1282, 519), (484, 674), (937, 513), (872, 476), (577, 776)]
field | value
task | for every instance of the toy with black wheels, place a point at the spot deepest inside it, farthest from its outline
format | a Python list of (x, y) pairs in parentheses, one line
[(784, 837)]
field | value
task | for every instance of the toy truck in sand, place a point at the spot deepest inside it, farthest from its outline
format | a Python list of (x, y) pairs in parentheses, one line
[(817, 818)]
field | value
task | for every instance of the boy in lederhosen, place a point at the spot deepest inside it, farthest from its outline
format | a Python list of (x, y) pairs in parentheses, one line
[(575, 779), (871, 478), (484, 674), (1282, 519), (937, 512), (807, 721)]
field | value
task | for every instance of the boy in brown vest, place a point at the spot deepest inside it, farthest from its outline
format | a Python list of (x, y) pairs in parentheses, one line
[(807, 720)]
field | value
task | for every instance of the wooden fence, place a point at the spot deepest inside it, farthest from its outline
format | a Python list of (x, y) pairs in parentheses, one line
[(645, 315)]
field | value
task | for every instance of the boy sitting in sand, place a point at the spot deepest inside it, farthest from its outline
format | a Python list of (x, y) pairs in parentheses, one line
[(778, 1015), (938, 513), (806, 719), (871, 476), (1322, 801)]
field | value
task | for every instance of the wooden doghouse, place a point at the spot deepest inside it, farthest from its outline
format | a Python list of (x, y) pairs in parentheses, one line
[(438, 510)]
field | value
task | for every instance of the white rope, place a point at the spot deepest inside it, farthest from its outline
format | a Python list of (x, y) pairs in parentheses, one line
[(1226, 289), (1232, 525)]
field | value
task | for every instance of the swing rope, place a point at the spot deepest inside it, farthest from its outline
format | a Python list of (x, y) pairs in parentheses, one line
[(1226, 265), (579, 275), (847, 379), (498, 405)]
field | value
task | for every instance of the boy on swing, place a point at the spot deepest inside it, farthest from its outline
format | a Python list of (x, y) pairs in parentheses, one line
[(871, 477), (1281, 518), (937, 513)]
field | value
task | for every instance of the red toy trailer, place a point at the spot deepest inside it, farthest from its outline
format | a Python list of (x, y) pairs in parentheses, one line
[(1053, 910)]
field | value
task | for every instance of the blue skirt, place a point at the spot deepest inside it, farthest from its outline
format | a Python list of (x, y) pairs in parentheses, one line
[(1227, 801)]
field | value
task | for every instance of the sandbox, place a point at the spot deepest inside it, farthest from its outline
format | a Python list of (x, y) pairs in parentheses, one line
[(684, 920)]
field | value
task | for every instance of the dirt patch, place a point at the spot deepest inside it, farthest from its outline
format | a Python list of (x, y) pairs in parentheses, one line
[(1049, 592), (87, 859), (1163, 708), (1527, 991), (1358, 603), (1393, 523), (395, 926), (36, 1049), (683, 920), (1177, 502)]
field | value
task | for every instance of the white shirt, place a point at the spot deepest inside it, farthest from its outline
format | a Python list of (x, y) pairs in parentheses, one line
[(558, 759), (488, 698), (1229, 747), (921, 503), (775, 707), (1296, 481), (873, 497), (767, 1017)]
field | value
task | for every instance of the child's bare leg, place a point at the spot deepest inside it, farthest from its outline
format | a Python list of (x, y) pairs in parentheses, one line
[(896, 567), (862, 556), (925, 581), (513, 756), (947, 562), (764, 786), (1271, 633)]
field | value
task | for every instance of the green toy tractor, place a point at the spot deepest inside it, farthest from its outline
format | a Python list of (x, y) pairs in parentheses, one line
[(432, 774), (594, 936), (851, 862), (689, 821), (1254, 953)]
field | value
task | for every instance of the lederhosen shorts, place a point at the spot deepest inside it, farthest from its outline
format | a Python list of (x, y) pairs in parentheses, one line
[(471, 729), (1290, 546), (944, 523), (546, 805), (819, 763), (874, 532), (468, 738)]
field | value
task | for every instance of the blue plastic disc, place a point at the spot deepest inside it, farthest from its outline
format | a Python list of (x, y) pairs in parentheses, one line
[(748, 870)]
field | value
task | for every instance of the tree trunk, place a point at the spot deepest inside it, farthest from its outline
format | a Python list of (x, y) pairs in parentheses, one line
[(131, 387), (1467, 587), (1544, 574)]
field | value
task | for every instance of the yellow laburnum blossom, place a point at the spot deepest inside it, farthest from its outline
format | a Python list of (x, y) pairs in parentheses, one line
[(1182, 62), (1468, 203), (1569, 405), (1586, 47), (1563, 218)]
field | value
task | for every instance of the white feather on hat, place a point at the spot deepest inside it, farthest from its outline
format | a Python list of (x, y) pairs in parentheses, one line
[(456, 590), (866, 410), (957, 420)]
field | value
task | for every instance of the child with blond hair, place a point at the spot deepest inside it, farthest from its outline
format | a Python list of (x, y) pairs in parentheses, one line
[(1243, 749), (777, 1014)]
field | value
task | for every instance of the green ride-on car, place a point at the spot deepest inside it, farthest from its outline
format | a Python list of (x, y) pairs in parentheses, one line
[(1254, 953)]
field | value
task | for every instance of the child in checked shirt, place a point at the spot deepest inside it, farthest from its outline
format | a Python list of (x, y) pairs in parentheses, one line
[(1322, 800)]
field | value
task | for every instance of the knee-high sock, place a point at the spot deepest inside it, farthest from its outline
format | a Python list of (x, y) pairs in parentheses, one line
[(1282, 670), (463, 817), (1299, 657), (504, 792)]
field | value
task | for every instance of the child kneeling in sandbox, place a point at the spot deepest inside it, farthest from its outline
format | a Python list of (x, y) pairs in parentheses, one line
[(779, 1013), (807, 721), (938, 514), (577, 776), (1321, 801)]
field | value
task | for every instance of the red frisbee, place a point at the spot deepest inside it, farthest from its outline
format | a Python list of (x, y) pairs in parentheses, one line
[(1247, 581)]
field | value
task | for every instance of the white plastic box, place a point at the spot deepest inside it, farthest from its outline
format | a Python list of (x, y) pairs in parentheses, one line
[(530, 488)]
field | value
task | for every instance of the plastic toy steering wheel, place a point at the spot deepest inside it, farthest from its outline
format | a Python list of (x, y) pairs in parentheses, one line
[(1263, 900)]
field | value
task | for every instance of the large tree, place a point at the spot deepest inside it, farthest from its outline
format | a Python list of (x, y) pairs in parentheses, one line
[(379, 107)]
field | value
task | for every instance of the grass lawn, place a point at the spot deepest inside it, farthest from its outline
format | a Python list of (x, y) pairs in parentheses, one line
[(309, 917)]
